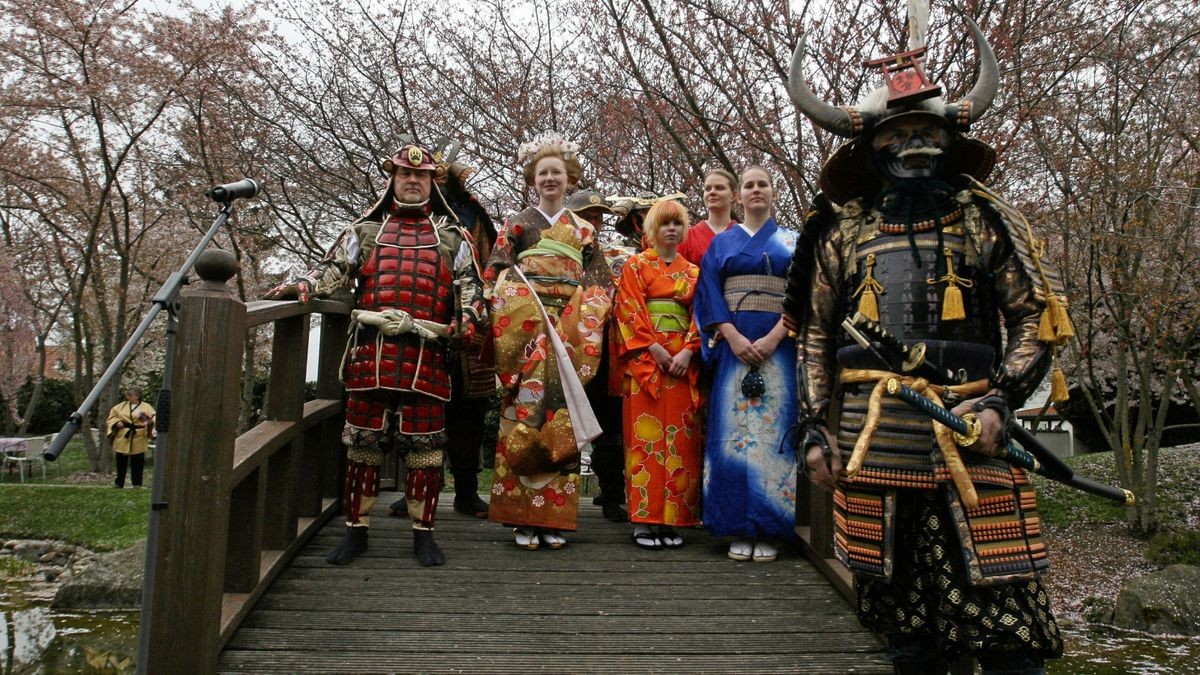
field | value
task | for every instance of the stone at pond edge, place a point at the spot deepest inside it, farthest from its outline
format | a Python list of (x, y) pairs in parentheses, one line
[(113, 581), (1167, 601)]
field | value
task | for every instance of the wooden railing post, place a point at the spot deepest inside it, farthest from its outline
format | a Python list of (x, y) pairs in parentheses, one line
[(325, 454), (285, 403), (189, 564), (814, 526)]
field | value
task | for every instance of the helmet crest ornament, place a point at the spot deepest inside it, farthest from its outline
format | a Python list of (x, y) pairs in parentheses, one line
[(907, 85)]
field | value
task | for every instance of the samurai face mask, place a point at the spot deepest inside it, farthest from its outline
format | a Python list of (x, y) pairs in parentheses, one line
[(910, 147)]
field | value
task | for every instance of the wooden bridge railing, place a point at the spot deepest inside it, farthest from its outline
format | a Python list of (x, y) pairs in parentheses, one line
[(236, 509)]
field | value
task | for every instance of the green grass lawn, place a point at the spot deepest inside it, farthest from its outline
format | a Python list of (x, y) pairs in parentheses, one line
[(72, 466), (82, 508), (73, 504), (1178, 485), (100, 518), (1177, 539)]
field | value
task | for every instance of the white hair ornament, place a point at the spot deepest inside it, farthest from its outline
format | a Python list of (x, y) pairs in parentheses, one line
[(527, 151)]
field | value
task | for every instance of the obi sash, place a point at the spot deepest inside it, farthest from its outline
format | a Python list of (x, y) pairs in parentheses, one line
[(668, 316), (755, 293)]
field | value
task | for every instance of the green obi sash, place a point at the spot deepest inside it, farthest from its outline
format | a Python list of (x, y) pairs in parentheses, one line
[(669, 316)]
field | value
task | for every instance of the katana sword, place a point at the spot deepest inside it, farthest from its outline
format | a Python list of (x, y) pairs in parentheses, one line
[(966, 433), (913, 359)]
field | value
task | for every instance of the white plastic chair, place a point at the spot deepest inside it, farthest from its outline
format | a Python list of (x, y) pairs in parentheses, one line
[(31, 456)]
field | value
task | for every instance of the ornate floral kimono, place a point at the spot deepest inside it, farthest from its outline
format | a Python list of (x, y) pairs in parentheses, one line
[(749, 478), (661, 422), (536, 479)]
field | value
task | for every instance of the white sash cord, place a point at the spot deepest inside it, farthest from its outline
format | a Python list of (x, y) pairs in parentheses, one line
[(583, 419)]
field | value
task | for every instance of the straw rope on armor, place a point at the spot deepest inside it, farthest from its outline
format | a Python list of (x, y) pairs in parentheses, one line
[(943, 435)]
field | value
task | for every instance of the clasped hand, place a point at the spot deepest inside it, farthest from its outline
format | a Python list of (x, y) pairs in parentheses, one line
[(991, 428), (675, 366)]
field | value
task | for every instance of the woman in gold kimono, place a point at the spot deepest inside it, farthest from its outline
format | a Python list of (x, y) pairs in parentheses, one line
[(130, 427), (551, 298), (659, 347)]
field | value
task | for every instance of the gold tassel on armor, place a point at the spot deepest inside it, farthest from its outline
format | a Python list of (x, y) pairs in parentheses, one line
[(952, 300), (1062, 321), (1058, 383), (1046, 326), (868, 292)]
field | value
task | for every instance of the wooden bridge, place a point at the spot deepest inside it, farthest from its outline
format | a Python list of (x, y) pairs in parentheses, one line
[(242, 525)]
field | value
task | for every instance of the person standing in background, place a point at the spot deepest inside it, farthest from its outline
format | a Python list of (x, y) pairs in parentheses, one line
[(720, 194), (130, 427)]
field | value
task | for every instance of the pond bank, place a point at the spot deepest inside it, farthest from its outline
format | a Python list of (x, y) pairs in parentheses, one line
[(1088, 566), (34, 637)]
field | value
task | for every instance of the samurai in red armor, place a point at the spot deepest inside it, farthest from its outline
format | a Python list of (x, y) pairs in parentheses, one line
[(942, 534), (417, 294)]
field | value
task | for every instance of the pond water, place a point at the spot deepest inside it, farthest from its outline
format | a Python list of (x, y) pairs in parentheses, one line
[(35, 640)]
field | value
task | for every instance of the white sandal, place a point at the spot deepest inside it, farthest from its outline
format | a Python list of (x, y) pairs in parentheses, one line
[(741, 550), (553, 539), (644, 538), (526, 539), (764, 552), (670, 538)]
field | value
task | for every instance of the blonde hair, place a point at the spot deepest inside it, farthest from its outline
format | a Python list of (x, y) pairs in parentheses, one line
[(574, 169), (755, 167), (664, 211), (730, 178)]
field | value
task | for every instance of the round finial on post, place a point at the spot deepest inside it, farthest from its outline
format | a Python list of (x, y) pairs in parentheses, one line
[(216, 265)]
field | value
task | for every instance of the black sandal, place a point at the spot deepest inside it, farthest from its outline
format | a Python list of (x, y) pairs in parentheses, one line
[(669, 537), (647, 540)]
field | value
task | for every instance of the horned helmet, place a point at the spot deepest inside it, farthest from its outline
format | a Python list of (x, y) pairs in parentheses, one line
[(856, 168)]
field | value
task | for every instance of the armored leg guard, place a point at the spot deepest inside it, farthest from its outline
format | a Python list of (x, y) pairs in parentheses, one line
[(422, 490), (361, 490)]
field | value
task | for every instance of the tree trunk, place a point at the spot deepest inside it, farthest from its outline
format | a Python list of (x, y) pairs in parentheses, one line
[(35, 395)]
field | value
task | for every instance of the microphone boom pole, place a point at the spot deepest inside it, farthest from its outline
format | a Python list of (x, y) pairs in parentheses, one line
[(167, 297)]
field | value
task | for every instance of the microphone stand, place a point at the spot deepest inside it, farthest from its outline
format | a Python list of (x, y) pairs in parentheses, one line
[(167, 298)]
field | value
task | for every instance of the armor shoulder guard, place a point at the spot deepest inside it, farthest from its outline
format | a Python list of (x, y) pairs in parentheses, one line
[(365, 232), (1030, 250), (451, 233), (817, 223)]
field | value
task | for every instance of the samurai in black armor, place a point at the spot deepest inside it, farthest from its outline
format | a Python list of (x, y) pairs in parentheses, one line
[(944, 542)]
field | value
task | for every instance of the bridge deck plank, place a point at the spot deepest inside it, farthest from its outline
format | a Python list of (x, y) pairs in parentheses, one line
[(600, 605)]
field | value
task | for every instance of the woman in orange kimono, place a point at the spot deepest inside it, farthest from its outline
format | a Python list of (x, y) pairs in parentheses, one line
[(656, 343), (551, 299)]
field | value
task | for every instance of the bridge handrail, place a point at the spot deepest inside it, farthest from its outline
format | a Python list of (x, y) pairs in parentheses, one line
[(235, 508)]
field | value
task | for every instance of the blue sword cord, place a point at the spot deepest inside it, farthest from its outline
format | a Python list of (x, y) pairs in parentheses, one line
[(1015, 454)]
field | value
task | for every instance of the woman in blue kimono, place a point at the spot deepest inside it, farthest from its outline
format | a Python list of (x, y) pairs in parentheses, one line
[(749, 477)]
